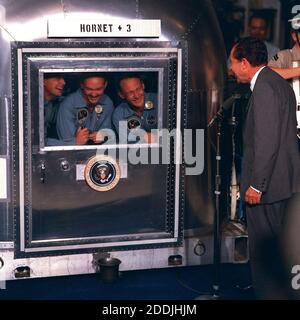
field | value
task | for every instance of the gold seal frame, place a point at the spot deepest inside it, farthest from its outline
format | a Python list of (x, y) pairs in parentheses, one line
[(89, 166)]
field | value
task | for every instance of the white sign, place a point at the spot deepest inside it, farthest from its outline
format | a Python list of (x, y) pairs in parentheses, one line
[(3, 179), (80, 171), (133, 28)]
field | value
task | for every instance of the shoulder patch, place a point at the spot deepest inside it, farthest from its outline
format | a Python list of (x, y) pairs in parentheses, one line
[(275, 57)]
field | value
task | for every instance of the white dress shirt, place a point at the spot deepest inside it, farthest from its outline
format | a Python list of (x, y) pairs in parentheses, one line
[(252, 84)]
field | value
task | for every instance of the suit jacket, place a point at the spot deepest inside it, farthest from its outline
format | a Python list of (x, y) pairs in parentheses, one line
[(271, 161)]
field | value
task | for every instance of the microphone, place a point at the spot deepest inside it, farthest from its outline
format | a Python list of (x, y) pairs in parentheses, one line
[(224, 107), (82, 116)]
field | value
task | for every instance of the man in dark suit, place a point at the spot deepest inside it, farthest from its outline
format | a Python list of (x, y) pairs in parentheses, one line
[(271, 163)]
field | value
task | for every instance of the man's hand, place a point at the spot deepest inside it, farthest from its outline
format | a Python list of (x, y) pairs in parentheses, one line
[(150, 137), (96, 136), (252, 196), (82, 135)]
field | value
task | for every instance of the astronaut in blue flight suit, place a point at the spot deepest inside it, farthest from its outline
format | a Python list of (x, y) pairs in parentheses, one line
[(54, 84), (139, 111), (84, 114)]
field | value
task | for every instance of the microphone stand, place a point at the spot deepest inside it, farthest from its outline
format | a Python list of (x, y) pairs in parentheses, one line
[(215, 295), (233, 180), (217, 235)]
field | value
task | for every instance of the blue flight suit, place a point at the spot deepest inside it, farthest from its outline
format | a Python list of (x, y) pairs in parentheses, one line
[(67, 117), (148, 120), (50, 118)]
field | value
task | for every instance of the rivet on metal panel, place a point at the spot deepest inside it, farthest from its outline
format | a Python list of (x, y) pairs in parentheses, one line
[(191, 27), (43, 172), (137, 9), (63, 6)]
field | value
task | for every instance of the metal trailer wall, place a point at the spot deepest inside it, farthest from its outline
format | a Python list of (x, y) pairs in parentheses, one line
[(190, 21)]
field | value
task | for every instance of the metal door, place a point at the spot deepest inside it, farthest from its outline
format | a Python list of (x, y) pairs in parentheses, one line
[(56, 211)]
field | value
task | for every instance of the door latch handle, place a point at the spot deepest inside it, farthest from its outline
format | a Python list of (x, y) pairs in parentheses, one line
[(43, 173)]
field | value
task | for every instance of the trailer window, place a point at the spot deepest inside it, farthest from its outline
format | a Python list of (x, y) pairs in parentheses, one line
[(95, 108)]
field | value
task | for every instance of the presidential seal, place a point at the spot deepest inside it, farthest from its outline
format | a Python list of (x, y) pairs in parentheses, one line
[(102, 173)]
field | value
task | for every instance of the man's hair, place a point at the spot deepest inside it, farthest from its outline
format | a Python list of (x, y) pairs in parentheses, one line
[(88, 75), (251, 49), (126, 76), (295, 30), (53, 75), (297, 33), (260, 16)]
